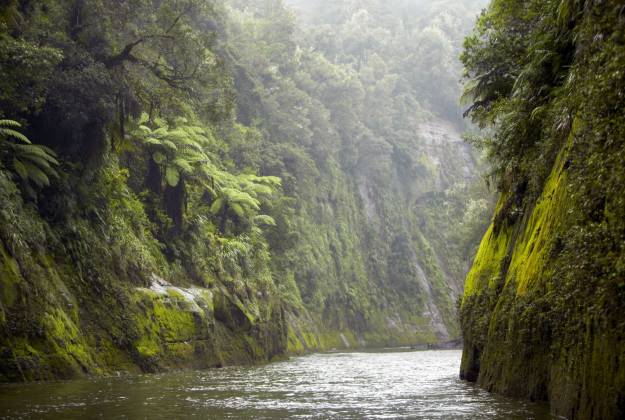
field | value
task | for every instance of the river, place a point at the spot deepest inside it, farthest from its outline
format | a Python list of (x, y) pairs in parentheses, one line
[(348, 385)]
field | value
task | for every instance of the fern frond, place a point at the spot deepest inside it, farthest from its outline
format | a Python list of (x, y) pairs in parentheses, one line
[(143, 119), (35, 150), (20, 169), (242, 198), (180, 135), (161, 131), (183, 165), (7, 132), (152, 141), (263, 219), (238, 209), (144, 129), (217, 205), (48, 150), (209, 188), (269, 181), (36, 175), (259, 189), (31, 162), (170, 145), (10, 123), (43, 164)]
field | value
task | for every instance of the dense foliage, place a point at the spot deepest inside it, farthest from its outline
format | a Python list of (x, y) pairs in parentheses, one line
[(297, 178), (139, 90)]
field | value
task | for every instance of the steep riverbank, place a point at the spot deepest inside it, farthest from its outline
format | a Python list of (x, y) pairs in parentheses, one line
[(542, 312), (80, 299), (65, 315)]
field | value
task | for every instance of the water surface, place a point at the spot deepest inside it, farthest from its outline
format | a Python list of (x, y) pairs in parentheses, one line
[(354, 385)]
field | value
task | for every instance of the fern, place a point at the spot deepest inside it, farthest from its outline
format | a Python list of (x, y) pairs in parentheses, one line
[(159, 157), (182, 153), (263, 219), (30, 162), (184, 165), (217, 205), (238, 209), (178, 151)]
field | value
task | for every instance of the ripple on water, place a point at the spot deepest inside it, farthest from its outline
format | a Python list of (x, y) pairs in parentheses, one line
[(354, 385)]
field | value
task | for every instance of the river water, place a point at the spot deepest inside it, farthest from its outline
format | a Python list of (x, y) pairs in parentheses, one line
[(353, 385)]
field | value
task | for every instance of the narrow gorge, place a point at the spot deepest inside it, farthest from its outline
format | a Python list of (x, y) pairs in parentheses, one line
[(312, 208)]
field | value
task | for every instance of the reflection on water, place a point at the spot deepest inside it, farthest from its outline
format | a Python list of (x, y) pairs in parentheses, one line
[(392, 384)]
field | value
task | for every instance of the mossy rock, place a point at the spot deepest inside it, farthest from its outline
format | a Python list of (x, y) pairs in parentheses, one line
[(230, 311)]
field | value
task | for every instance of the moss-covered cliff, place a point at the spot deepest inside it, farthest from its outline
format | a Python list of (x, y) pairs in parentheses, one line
[(70, 307), (542, 312)]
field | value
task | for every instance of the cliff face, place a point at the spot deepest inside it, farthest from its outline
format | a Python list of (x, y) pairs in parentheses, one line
[(378, 264), (542, 312)]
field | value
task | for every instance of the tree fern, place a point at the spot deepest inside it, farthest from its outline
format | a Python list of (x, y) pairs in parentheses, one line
[(182, 153), (178, 151), (30, 162)]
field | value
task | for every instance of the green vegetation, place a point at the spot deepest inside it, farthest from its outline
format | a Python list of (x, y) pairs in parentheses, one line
[(542, 313), (198, 183), (32, 162)]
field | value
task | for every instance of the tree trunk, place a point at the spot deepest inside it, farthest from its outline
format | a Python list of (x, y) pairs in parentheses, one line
[(175, 203), (153, 180)]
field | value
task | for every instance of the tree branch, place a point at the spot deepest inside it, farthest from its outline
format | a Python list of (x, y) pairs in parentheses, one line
[(125, 54)]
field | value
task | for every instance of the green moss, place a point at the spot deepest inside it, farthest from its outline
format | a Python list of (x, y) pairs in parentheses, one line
[(68, 342), (147, 346), (294, 344), (175, 324), (111, 358), (184, 352), (165, 320), (486, 269), (531, 256), (23, 357)]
